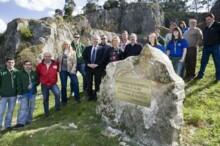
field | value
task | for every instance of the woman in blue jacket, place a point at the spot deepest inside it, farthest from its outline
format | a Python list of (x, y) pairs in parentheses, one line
[(152, 38), (176, 50)]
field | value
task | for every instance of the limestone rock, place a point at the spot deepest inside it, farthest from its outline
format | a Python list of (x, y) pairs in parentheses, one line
[(143, 97), (139, 18), (48, 34)]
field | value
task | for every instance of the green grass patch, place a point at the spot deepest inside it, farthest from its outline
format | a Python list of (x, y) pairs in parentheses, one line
[(201, 116), (202, 110)]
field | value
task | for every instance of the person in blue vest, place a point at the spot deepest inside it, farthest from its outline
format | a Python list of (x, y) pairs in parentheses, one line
[(29, 82), (152, 38), (176, 50)]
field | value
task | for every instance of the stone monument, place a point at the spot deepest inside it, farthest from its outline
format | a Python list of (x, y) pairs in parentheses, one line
[(142, 97)]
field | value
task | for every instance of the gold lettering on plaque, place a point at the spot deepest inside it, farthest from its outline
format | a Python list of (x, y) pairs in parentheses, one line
[(136, 91)]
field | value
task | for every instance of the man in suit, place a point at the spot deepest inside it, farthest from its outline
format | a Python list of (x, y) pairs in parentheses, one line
[(94, 60)]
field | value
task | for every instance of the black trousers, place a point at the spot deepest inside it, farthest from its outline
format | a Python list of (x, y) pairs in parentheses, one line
[(190, 62), (93, 75)]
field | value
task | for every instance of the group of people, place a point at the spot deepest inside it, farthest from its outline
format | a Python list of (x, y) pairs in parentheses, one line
[(180, 45)]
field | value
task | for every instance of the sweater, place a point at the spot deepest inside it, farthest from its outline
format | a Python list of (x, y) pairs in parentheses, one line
[(79, 48), (10, 83), (212, 35), (26, 80)]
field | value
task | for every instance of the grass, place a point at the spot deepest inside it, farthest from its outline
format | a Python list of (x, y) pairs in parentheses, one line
[(55, 130), (202, 110), (201, 116)]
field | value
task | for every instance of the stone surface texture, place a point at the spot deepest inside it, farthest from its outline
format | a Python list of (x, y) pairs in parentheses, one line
[(157, 124)]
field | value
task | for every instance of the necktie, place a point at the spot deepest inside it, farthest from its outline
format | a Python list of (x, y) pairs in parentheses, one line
[(93, 55)]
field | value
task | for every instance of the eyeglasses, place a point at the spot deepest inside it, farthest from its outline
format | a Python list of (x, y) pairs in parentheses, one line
[(103, 38), (76, 37), (28, 64)]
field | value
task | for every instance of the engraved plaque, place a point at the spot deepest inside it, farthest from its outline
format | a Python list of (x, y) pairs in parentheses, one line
[(136, 91)]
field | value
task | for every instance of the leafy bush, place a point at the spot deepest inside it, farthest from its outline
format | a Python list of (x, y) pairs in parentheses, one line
[(26, 33)]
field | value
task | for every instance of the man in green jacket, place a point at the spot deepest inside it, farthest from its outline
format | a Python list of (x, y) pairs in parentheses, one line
[(10, 89), (79, 48), (29, 82)]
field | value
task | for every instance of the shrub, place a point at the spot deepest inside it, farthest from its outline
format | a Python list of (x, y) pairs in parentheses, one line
[(26, 33)]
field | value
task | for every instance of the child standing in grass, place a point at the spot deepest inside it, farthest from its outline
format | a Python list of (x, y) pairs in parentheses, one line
[(29, 83)]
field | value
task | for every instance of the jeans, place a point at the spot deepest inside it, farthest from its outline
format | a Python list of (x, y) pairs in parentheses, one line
[(178, 66), (213, 50), (45, 91), (81, 68), (9, 103), (73, 84), (25, 113)]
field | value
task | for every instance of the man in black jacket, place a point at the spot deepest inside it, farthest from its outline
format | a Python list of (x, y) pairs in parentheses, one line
[(133, 48), (211, 42), (94, 60)]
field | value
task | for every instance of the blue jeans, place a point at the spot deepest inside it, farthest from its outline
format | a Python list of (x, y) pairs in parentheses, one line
[(73, 84), (213, 50), (81, 67), (25, 113), (9, 103), (45, 91), (177, 65)]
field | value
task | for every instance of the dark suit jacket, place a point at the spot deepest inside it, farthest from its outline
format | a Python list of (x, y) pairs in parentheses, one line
[(99, 57)]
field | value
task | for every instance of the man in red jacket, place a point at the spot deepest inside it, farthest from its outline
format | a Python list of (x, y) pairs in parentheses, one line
[(47, 72)]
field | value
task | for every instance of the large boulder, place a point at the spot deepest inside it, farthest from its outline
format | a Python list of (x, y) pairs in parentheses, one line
[(28, 38), (143, 98), (139, 18)]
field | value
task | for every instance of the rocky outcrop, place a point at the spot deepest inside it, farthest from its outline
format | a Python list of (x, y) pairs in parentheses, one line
[(143, 98), (216, 10), (47, 34), (139, 18)]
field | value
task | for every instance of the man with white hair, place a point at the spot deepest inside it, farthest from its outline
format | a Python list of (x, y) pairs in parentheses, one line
[(194, 37), (133, 48), (94, 60), (47, 73)]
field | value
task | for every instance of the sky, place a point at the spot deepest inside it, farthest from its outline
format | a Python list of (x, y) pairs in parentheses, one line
[(11, 9)]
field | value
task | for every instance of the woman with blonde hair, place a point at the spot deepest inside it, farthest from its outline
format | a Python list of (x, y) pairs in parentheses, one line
[(115, 53), (67, 68)]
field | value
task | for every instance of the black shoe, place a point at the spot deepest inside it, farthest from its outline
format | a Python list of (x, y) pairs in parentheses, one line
[(90, 99), (198, 78), (46, 114), (217, 81), (64, 103), (57, 109), (8, 128), (19, 126), (27, 123)]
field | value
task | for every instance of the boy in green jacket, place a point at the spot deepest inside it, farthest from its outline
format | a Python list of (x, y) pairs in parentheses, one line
[(29, 82), (10, 89)]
